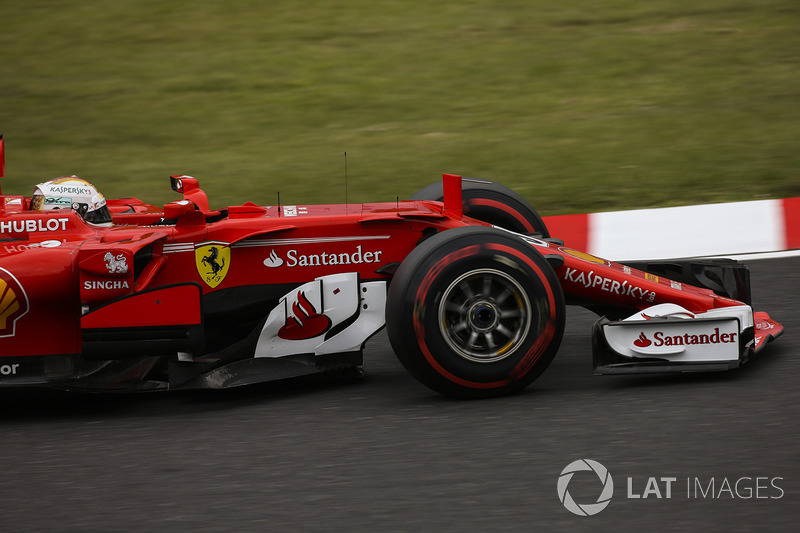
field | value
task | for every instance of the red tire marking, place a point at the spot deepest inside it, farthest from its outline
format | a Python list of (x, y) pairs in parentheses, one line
[(504, 208), (535, 351), (527, 361)]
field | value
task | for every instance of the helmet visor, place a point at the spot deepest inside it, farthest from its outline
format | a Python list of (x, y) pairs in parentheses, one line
[(99, 216)]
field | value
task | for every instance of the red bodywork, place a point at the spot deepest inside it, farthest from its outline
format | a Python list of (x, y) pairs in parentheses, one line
[(65, 284)]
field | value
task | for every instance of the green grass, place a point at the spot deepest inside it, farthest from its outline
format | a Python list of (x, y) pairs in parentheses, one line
[(587, 106)]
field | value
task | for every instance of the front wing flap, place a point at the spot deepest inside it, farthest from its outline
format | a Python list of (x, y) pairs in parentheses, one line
[(668, 338)]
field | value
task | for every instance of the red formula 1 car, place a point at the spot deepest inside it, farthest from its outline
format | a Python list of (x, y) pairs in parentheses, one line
[(465, 277)]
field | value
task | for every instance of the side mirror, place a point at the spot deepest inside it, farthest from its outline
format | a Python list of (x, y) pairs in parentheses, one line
[(189, 187)]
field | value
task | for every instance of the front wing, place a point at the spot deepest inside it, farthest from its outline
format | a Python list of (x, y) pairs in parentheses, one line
[(668, 338)]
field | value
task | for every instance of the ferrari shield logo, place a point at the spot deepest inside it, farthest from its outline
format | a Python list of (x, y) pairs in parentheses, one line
[(213, 261)]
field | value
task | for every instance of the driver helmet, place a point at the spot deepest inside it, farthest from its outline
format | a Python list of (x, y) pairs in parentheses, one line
[(71, 192)]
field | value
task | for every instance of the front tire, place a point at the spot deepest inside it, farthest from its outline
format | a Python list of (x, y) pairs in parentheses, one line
[(475, 312)]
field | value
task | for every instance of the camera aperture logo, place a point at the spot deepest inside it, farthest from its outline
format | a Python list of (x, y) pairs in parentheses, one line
[(586, 509)]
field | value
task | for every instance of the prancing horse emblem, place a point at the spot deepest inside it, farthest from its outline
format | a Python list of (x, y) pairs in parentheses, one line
[(213, 261)]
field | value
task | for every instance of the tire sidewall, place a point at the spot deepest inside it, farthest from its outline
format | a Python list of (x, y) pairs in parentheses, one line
[(431, 269)]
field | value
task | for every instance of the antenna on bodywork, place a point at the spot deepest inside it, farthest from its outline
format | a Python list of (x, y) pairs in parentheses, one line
[(345, 182)]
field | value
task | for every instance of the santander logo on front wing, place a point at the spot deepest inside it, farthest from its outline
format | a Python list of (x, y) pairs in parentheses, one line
[(687, 339)]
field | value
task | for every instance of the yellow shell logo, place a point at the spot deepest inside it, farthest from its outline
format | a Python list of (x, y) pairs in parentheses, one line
[(586, 257), (13, 303), (213, 262)]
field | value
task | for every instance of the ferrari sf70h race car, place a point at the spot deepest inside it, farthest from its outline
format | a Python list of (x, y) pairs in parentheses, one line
[(465, 277)]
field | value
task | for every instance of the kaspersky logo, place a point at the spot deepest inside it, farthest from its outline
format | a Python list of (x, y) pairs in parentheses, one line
[(606, 492), (13, 303)]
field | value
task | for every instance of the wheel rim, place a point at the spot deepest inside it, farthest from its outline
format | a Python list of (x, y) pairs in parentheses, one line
[(484, 315)]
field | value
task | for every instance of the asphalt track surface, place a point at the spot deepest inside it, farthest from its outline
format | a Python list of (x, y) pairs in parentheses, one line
[(385, 454)]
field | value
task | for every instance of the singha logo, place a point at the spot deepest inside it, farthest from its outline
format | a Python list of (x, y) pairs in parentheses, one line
[(116, 265)]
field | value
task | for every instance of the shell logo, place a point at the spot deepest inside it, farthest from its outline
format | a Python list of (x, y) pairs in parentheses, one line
[(13, 303), (583, 255)]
